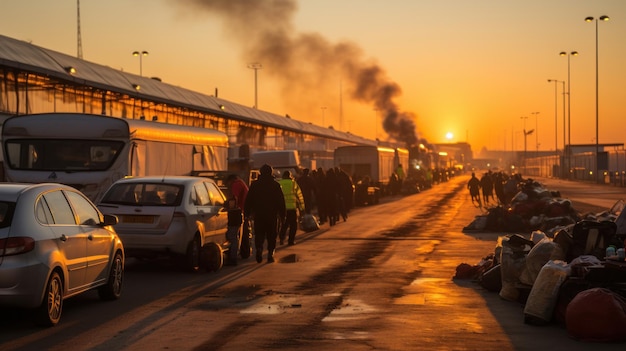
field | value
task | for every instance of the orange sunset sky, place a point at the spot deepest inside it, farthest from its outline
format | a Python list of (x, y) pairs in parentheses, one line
[(472, 68)]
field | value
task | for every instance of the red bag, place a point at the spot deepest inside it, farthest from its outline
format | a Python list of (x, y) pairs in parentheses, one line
[(598, 315)]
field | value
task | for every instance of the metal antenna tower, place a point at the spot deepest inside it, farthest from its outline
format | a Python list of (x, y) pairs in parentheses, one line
[(78, 38)]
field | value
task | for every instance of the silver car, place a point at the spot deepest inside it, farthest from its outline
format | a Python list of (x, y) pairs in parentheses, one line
[(177, 216), (54, 244)]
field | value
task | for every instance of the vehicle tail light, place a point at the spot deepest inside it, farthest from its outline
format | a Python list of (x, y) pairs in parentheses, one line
[(17, 245)]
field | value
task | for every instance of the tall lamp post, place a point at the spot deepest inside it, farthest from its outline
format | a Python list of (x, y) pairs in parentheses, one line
[(255, 66), (591, 19), (569, 114), (524, 118), (536, 132), (141, 54), (556, 144)]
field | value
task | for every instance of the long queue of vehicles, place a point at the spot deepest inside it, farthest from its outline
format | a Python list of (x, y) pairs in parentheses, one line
[(137, 183), (90, 152)]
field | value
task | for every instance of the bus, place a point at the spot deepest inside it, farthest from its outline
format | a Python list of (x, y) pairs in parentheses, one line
[(90, 152)]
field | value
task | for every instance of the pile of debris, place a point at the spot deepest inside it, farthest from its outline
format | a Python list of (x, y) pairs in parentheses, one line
[(536, 208), (573, 273)]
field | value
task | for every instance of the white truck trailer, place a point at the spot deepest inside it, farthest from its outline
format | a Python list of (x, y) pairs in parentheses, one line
[(90, 152), (371, 168)]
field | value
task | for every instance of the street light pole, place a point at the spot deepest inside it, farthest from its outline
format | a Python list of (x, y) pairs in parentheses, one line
[(141, 54), (524, 118), (536, 133), (569, 100), (591, 19), (565, 167), (556, 127), (255, 66)]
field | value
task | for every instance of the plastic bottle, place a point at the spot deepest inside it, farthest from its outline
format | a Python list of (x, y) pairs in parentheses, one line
[(610, 251)]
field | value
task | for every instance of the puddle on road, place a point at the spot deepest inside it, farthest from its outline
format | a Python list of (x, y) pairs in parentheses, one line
[(357, 335), (411, 299), (350, 310), (275, 304), (433, 285), (264, 309), (421, 281)]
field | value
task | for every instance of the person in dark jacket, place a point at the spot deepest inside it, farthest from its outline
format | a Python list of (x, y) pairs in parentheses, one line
[(307, 185), (238, 191), (330, 195), (346, 192), (320, 195), (486, 184), (474, 187), (265, 205)]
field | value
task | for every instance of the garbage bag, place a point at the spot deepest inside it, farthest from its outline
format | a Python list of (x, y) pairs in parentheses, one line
[(309, 223), (596, 315), (512, 261), (539, 308), (543, 251)]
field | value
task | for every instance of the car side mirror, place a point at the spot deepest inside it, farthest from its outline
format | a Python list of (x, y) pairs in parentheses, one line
[(109, 220)]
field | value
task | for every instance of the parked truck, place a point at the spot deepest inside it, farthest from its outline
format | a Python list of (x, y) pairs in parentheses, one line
[(371, 168), (90, 152), (280, 160)]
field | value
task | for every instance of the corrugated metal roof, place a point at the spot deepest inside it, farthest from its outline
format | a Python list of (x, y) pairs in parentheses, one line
[(25, 56)]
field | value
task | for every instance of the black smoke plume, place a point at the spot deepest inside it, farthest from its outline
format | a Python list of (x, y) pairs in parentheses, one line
[(307, 64)]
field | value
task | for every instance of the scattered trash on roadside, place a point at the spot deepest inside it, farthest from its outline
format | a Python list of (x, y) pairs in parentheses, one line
[(571, 270)]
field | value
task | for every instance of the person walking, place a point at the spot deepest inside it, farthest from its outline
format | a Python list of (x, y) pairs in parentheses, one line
[(307, 185), (320, 195), (265, 205), (486, 184), (474, 188), (294, 202), (233, 230), (498, 185), (346, 192), (238, 191), (401, 176), (330, 193)]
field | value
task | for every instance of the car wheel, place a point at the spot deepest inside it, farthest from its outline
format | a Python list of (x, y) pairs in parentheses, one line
[(192, 259), (212, 257), (49, 313), (112, 290)]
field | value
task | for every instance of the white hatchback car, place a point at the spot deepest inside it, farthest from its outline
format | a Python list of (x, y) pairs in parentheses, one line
[(54, 243), (178, 216)]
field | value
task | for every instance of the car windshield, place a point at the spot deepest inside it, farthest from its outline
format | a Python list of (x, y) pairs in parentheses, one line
[(144, 194)]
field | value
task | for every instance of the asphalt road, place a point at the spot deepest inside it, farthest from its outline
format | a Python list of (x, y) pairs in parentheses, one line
[(380, 281)]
